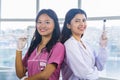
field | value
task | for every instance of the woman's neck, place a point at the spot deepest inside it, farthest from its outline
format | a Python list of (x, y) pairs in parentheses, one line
[(45, 40), (43, 44), (78, 38)]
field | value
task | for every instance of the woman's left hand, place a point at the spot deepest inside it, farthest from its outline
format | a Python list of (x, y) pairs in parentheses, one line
[(103, 40)]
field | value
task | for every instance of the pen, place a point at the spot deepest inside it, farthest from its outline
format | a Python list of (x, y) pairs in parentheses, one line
[(104, 21)]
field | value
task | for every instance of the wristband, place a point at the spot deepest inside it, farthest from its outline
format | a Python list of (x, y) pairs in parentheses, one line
[(23, 78), (19, 52), (19, 49)]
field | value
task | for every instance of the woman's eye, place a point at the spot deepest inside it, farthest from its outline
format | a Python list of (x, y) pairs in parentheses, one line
[(84, 20), (39, 22), (47, 22), (77, 21)]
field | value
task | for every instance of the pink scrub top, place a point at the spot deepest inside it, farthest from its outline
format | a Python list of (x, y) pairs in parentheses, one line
[(37, 62)]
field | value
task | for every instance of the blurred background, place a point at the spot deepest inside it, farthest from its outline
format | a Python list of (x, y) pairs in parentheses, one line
[(17, 17)]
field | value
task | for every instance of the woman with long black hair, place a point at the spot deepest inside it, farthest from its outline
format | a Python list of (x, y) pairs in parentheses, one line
[(81, 61), (45, 55)]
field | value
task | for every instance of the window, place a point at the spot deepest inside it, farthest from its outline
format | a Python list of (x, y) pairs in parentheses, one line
[(99, 8), (18, 9), (60, 6)]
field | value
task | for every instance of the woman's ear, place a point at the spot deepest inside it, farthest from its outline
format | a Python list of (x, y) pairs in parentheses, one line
[(68, 26)]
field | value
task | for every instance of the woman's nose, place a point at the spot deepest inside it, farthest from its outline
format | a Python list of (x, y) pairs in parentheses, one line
[(43, 24), (81, 23)]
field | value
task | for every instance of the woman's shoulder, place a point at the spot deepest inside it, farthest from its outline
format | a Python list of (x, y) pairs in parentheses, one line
[(70, 41), (59, 44)]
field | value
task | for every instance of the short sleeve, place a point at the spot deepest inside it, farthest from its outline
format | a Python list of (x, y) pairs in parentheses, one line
[(57, 54)]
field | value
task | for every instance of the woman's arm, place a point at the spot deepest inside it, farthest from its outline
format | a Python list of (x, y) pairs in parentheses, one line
[(102, 53), (20, 69), (45, 74), (101, 58)]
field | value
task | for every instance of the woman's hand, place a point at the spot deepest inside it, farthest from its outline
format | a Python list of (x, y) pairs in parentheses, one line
[(21, 43), (103, 40)]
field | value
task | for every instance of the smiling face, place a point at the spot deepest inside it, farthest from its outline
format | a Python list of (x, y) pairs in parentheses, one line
[(45, 25), (78, 25)]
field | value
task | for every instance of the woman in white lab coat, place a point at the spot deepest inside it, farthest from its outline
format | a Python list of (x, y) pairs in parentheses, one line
[(81, 61)]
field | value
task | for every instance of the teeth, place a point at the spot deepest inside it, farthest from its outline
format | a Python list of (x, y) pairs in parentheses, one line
[(42, 29)]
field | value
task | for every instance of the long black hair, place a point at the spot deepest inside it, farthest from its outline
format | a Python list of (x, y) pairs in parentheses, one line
[(37, 37), (66, 33)]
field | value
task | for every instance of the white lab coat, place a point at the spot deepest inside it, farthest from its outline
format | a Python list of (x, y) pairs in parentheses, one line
[(81, 63)]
